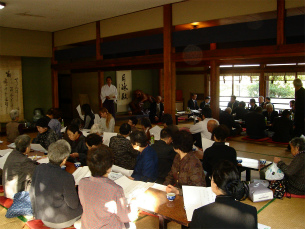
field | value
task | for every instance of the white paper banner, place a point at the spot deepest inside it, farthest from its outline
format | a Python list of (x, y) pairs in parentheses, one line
[(124, 87)]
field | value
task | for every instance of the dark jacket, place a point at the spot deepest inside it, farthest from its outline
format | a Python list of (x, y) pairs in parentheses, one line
[(125, 155), (203, 104), (58, 194), (240, 113), (79, 146), (271, 116), (166, 155), (225, 213), (299, 116), (226, 119), (45, 139), (17, 173), (252, 108), (88, 124), (233, 106), (153, 112), (216, 153), (193, 105), (283, 129), (255, 125)]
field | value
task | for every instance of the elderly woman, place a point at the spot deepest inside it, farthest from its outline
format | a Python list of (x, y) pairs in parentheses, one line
[(53, 195), (18, 168), (46, 136), (102, 199), (226, 211), (186, 168), (124, 154), (13, 128), (107, 121), (295, 171)]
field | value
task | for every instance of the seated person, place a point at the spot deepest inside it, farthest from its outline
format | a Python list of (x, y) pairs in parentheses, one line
[(78, 145), (93, 141), (261, 101), (88, 116), (283, 128), (156, 110), (168, 123), (107, 121), (96, 129), (233, 104), (292, 106), (18, 168), (165, 152), (241, 111), (57, 203), (205, 103), (255, 124), (268, 101), (218, 152), (252, 105), (103, 201), (270, 113), (146, 168), (46, 136), (295, 171), (192, 103), (226, 211), (204, 127), (187, 168), (133, 121), (77, 122), (146, 126), (227, 119), (54, 124), (13, 128), (125, 155)]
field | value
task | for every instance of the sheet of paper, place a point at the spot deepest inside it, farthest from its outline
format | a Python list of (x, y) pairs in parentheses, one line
[(180, 112), (206, 143), (156, 131), (118, 169), (160, 187), (5, 151), (195, 111), (63, 130), (107, 136), (1, 142), (38, 147), (80, 173), (44, 160), (79, 111), (12, 145), (3, 160), (262, 226), (85, 132), (114, 176), (132, 188), (195, 197)]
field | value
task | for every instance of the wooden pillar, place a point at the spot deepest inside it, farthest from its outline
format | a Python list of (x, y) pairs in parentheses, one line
[(169, 67), (161, 83), (280, 38), (215, 89), (54, 75), (262, 82), (100, 74)]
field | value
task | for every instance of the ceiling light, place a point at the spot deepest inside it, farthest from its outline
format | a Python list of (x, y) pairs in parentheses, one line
[(246, 65), (2, 5)]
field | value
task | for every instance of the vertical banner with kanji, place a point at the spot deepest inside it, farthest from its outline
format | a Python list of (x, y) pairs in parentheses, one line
[(11, 96), (124, 87)]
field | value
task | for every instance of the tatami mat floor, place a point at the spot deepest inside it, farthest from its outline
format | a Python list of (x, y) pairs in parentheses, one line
[(279, 214)]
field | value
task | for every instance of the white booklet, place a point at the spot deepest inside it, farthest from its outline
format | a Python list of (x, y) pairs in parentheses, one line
[(156, 131), (80, 173), (3, 160), (121, 170), (206, 143), (43, 160), (38, 147), (132, 188), (107, 136), (195, 197), (5, 151)]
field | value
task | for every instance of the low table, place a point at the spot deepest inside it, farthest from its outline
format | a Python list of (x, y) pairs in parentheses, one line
[(252, 164)]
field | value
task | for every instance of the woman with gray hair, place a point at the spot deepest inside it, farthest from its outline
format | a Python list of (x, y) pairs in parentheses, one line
[(18, 168), (53, 195), (13, 128), (295, 171)]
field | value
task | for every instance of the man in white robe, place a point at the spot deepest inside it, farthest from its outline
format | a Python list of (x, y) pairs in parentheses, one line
[(109, 95)]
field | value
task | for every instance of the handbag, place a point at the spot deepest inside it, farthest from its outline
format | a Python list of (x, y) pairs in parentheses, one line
[(274, 173)]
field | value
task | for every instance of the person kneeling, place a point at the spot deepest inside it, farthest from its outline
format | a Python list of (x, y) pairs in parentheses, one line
[(103, 200), (53, 194)]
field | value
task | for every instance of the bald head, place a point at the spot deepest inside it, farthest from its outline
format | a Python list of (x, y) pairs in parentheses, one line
[(211, 125)]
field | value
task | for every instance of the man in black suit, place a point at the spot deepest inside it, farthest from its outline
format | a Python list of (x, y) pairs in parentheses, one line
[(233, 104), (252, 104), (206, 102), (192, 103), (241, 111), (227, 119), (156, 110), (270, 113), (255, 124), (299, 117), (166, 154), (283, 128)]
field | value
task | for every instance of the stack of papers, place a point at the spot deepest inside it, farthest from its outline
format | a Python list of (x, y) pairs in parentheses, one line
[(38, 147), (80, 173), (118, 169), (195, 197), (160, 187), (44, 160), (156, 131)]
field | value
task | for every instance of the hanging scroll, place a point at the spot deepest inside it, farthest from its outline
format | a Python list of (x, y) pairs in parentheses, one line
[(124, 87), (11, 96)]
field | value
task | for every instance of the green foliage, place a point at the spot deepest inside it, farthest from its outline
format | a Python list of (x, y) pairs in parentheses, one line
[(277, 89), (253, 89)]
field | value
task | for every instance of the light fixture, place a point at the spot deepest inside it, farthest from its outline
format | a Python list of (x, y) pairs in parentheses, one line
[(2, 5), (195, 25)]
